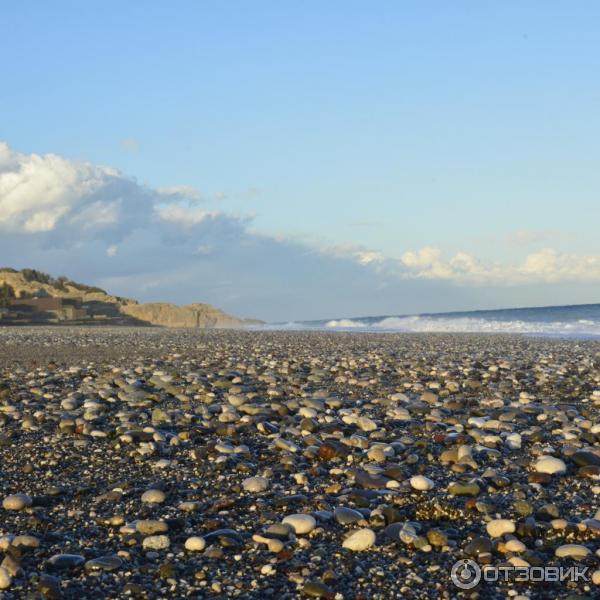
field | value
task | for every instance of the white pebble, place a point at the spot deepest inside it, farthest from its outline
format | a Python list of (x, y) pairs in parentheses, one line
[(498, 527), (550, 465), (422, 483), (195, 543), (359, 540), (300, 523), (154, 497), (255, 484), (572, 551)]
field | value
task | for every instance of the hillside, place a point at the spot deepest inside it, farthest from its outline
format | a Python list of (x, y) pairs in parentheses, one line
[(30, 296)]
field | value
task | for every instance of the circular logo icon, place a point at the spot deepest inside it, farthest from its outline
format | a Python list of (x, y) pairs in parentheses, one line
[(465, 574)]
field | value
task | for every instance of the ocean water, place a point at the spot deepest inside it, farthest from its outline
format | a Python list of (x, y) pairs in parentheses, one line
[(580, 321)]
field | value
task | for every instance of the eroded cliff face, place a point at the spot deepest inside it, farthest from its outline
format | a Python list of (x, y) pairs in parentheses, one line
[(29, 283), (201, 316)]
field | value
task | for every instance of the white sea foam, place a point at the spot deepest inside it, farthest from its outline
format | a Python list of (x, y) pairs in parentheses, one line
[(468, 325), (346, 324)]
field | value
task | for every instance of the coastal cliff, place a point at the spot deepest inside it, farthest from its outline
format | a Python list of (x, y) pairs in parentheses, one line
[(30, 296)]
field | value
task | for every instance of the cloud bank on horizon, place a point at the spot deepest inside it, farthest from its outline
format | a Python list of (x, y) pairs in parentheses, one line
[(99, 225)]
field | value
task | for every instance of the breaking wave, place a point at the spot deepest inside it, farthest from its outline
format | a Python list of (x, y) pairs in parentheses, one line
[(468, 325)]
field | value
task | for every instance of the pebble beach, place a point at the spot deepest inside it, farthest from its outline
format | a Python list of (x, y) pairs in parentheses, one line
[(155, 463)]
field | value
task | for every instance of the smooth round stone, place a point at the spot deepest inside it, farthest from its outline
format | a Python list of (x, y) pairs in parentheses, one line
[(103, 563), (478, 545), (437, 538), (16, 502), (27, 541), (360, 540), (498, 527), (421, 483), (151, 527), (576, 551), (279, 531), (596, 577), (316, 589), (300, 523), (347, 516), (156, 542), (523, 508), (189, 506), (154, 497), (5, 579), (584, 458), (195, 543), (515, 546), (366, 424), (464, 489), (550, 465), (255, 484), (66, 561)]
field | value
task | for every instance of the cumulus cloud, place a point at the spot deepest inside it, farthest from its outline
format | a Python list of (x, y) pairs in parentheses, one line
[(181, 192), (76, 218), (544, 266)]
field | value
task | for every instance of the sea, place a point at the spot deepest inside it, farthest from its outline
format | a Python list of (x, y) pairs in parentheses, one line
[(576, 321)]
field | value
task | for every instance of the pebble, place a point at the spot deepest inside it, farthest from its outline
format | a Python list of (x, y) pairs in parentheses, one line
[(421, 483), (156, 542), (5, 579), (103, 563), (550, 465), (17, 502), (359, 540), (572, 551), (499, 527), (151, 527), (347, 516), (195, 544), (255, 484), (154, 497), (66, 561), (300, 523)]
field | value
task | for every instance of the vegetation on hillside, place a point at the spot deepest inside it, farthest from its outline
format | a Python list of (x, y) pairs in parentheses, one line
[(61, 283)]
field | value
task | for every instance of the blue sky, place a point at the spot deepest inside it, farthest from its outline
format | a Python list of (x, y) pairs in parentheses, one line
[(333, 128)]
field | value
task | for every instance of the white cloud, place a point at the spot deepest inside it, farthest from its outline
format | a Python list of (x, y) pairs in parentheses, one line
[(370, 257), (184, 216), (74, 218), (544, 266), (181, 192)]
